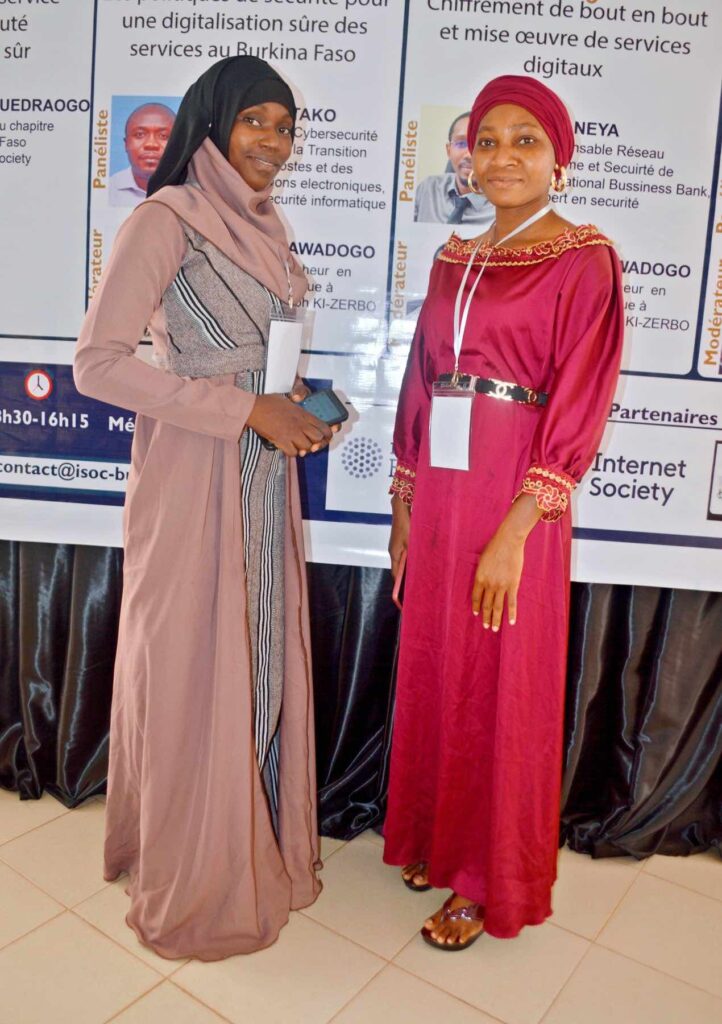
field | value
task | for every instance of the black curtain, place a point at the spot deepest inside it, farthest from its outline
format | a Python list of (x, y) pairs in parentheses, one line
[(644, 721), (59, 608), (644, 710)]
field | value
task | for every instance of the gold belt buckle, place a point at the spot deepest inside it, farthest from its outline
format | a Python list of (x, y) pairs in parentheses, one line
[(501, 390)]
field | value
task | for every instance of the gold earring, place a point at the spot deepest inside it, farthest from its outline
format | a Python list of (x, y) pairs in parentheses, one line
[(559, 179), (470, 185)]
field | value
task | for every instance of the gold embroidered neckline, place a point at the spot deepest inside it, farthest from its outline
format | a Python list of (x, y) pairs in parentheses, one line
[(458, 250)]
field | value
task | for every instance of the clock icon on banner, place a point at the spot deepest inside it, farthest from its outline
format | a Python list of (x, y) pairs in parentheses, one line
[(38, 385)]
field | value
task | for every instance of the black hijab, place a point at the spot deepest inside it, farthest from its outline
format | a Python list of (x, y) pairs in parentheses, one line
[(209, 109)]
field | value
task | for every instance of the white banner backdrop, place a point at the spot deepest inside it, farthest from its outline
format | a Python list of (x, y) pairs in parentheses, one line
[(379, 84)]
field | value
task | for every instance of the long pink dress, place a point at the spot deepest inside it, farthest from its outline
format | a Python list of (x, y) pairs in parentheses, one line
[(477, 747), (212, 871)]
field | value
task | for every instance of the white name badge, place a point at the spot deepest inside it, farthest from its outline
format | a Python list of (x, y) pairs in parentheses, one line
[(450, 429), (283, 352)]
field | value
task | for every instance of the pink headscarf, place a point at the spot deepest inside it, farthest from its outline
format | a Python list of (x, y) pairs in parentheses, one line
[(242, 223), (533, 96)]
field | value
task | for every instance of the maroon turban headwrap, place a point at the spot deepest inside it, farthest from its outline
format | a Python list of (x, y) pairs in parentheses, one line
[(533, 96)]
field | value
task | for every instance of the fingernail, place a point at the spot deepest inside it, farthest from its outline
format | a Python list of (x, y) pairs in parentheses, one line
[(495, 629), (512, 622), (475, 613), (486, 625)]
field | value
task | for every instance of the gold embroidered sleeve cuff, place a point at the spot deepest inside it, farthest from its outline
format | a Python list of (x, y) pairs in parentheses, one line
[(550, 490), (403, 483)]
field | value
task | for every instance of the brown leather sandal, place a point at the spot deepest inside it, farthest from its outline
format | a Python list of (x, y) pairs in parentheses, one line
[(419, 867), (474, 912)]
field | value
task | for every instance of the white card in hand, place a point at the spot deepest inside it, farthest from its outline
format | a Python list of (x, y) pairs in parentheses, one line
[(450, 430), (282, 356)]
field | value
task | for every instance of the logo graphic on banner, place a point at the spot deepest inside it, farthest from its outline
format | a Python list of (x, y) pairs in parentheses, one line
[(361, 457)]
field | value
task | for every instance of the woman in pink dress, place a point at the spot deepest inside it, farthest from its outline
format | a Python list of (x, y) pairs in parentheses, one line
[(531, 317), (211, 790)]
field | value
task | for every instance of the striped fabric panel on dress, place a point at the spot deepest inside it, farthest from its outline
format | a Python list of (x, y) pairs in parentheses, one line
[(214, 270), (266, 623), (262, 511), (200, 313), (276, 304), (251, 455), (258, 540), (272, 774)]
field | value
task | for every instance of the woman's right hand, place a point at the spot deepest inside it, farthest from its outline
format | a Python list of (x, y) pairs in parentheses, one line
[(288, 426), (400, 525)]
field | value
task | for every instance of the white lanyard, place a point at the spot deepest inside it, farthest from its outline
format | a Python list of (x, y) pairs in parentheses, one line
[(290, 289), (460, 317)]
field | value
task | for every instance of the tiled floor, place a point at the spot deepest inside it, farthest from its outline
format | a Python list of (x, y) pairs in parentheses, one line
[(629, 944)]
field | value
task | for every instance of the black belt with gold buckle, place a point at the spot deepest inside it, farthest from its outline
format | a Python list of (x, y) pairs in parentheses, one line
[(503, 389)]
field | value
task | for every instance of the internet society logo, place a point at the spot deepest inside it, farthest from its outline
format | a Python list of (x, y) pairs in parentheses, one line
[(362, 457)]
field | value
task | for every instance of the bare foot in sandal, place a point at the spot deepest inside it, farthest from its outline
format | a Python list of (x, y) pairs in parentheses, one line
[(455, 925), (416, 876)]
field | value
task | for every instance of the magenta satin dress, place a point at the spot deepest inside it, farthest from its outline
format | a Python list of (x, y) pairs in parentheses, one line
[(477, 747)]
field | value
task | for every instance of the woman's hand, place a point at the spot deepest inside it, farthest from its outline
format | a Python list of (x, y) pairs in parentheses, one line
[(400, 525), (300, 391), (287, 425), (498, 573)]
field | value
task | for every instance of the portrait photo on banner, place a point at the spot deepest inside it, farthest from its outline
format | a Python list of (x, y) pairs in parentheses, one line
[(140, 127), (443, 194)]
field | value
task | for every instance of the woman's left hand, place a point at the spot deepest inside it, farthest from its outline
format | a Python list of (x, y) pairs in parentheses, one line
[(300, 391), (497, 579), (498, 573)]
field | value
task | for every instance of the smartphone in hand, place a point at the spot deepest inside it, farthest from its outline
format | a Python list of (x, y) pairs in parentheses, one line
[(326, 405)]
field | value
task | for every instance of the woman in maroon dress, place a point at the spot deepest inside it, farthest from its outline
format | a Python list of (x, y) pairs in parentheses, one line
[(477, 750)]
